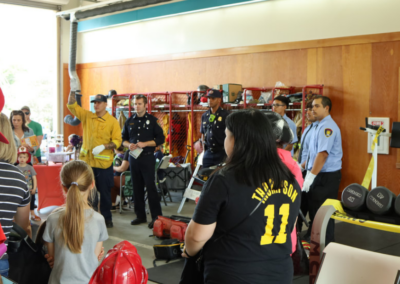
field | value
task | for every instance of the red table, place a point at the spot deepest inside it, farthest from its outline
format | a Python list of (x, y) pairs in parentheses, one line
[(49, 185)]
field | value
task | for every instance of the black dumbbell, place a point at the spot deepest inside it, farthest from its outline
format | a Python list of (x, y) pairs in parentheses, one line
[(397, 205), (380, 200), (354, 196)]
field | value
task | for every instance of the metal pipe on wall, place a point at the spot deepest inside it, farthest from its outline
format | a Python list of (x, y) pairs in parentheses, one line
[(74, 17)]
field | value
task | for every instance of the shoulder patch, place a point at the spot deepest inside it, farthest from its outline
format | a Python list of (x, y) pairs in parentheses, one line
[(328, 132)]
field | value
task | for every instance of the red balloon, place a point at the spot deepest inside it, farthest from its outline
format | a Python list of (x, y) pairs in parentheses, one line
[(2, 102)]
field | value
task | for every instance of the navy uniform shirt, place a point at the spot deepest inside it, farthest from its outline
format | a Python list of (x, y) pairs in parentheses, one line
[(327, 137), (143, 129), (214, 131), (305, 142)]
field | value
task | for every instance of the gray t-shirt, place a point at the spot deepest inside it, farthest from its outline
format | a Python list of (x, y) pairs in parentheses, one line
[(71, 267), (29, 172)]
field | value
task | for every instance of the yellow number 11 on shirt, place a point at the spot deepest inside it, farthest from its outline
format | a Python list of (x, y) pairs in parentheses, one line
[(269, 212)]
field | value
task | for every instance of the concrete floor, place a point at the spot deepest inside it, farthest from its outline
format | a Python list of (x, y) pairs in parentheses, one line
[(138, 235)]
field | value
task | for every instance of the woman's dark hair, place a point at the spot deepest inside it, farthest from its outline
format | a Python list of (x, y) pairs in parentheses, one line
[(21, 113), (255, 159)]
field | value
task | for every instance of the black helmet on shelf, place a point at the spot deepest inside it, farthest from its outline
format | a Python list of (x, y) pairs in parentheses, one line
[(111, 93), (202, 88)]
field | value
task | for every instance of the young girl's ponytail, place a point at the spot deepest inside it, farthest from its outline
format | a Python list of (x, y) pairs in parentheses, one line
[(76, 177)]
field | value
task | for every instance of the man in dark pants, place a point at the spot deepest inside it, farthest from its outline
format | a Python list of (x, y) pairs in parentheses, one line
[(303, 154), (324, 163), (142, 133), (213, 130), (101, 134)]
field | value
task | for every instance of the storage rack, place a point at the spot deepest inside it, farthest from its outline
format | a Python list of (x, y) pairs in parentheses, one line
[(174, 104)]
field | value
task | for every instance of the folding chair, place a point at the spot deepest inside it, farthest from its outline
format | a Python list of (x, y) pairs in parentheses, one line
[(162, 165), (126, 189)]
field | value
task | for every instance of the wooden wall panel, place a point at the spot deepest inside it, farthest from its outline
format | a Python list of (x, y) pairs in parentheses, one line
[(312, 66), (356, 89), (383, 103), (360, 76)]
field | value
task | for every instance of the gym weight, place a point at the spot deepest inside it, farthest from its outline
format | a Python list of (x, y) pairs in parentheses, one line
[(354, 197), (380, 200), (397, 205)]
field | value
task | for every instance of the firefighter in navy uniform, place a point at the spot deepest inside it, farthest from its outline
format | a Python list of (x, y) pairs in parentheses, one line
[(142, 132), (213, 130)]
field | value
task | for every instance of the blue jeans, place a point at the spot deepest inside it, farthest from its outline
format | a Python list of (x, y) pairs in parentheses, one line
[(4, 267)]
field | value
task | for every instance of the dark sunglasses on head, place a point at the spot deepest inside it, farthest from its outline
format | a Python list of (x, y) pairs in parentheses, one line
[(17, 112)]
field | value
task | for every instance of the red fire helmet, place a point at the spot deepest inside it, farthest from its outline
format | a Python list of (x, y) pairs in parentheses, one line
[(122, 265)]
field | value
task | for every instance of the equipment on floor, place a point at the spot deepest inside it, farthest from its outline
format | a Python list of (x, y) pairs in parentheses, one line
[(380, 200), (354, 197), (167, 250), (333, 209), (173, 227)]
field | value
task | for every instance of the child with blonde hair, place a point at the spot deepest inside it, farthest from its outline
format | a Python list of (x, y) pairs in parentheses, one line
[(75, 235)]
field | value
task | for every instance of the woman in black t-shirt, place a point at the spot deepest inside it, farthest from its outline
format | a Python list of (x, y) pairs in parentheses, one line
[(258, 250)]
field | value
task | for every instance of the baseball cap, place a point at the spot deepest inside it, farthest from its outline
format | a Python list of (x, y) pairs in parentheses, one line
[(281, 129), (99, 98), (214, 94), (23, 150), (2, 137), (26, 107)]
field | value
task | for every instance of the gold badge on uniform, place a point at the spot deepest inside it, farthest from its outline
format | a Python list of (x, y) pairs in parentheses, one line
[(328, 132), (220, 118)]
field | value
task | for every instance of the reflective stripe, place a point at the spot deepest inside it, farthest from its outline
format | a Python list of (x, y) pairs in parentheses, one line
[(102, 157), (84, 151)]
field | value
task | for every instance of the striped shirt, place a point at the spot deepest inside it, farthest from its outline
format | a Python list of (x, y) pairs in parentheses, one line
[(14, 193)]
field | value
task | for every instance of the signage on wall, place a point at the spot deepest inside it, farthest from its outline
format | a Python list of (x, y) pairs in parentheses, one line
[(383, 142)]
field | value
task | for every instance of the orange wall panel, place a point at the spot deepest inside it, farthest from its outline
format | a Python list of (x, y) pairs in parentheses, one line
[(360, 75)]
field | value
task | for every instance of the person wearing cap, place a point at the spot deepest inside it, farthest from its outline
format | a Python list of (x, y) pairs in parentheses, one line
[(37, 129), (24, 157), (324, 162), (101, 134), (212, 130), (279, 106), (142, 134)]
